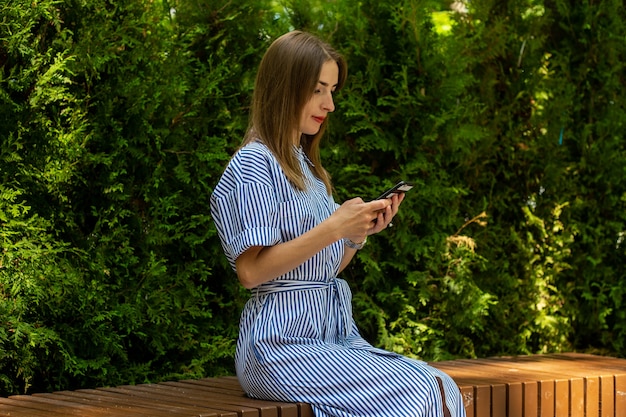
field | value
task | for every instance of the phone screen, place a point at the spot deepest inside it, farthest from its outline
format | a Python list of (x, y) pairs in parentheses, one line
[(401, 187)]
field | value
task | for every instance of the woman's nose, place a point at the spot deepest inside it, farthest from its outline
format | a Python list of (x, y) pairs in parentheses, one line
[(329, 104)]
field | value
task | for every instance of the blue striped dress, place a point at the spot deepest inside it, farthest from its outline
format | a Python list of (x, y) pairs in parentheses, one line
[(298, 341)]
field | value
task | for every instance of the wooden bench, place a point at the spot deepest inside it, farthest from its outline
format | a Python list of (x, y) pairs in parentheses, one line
[(563, 385)]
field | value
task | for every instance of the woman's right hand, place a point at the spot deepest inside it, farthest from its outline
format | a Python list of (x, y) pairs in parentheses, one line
[(356, 219)]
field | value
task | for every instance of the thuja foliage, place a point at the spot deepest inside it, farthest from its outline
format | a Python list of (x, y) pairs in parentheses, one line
[(507, 117), (116, 121), (117, 118)]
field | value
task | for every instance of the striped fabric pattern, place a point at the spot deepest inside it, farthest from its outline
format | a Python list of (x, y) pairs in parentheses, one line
[(298, 341)]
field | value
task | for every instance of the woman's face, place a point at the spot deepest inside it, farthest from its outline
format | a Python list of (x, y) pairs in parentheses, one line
[(321, 102)]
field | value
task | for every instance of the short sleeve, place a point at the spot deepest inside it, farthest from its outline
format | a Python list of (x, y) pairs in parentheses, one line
[(244, 205)]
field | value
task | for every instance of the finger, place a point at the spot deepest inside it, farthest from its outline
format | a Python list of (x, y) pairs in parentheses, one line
[(377, 205), (395, 207), (378, 225), (382, 220), (355, 200), (397, 200)]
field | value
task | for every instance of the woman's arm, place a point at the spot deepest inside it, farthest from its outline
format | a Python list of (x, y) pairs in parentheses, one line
[(353, 220)]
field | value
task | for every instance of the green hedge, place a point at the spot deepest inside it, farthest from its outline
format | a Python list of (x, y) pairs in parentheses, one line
[(117, 118)]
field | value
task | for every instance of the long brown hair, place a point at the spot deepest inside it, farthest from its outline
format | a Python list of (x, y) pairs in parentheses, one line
[(286, 79)]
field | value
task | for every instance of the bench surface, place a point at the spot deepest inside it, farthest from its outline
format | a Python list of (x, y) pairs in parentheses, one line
[(560, 385)]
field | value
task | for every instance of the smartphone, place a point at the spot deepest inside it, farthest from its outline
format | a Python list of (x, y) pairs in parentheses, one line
[(401, 187)]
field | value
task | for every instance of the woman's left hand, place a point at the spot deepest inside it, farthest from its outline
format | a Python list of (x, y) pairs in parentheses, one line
[(385, 216)]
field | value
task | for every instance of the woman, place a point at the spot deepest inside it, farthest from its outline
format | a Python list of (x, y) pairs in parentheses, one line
[(287, 240)]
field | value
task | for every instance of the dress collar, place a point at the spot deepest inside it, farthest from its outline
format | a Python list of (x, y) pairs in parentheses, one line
[(302, 155)]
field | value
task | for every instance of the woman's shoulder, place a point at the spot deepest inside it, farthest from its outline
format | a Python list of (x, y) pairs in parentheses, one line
[(254, 148), (252, 163), (254, 153)]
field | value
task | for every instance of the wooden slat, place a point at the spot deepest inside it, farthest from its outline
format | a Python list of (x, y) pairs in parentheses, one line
[(562, 398), (577, 397), (305, 410), (482, 395), (531, 399), (591, 388), (607, 390), (620, 395), (515, 400), (546, 398), (498, 400), (14, 407)]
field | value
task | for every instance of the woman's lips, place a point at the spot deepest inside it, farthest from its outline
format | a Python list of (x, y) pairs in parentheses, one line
[(319, 119)]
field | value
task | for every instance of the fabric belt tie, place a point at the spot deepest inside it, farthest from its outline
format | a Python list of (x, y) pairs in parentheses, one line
[(338, 290)]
